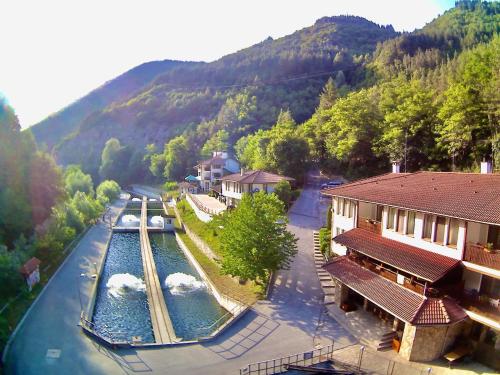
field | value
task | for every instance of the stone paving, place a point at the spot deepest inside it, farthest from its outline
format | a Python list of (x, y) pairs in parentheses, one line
[(211, 203)]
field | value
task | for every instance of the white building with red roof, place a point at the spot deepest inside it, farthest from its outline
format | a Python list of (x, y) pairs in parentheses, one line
[(210, 171), (237, 184), (424, 248)]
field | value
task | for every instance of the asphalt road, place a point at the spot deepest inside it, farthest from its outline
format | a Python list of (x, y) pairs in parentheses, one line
[(285, 324)]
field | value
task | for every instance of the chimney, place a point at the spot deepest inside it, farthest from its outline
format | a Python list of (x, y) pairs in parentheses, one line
[(486, 167), (396, 166)]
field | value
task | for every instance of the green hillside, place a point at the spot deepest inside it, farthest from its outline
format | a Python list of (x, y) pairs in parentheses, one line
[(51, 130), (272, 71)]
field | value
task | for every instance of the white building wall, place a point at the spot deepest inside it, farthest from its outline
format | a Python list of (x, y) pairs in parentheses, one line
[(477, 233), (230, 192), (418, 241), (340, 223), (472, 280)]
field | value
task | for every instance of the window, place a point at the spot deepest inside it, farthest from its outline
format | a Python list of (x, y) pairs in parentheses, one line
[(427, 234), (410, 223), (440, 227), (452, 233), (345, 209), (494, 236), (390, 219), (401, 221), (350, 213), (380, 210), (340, 206)]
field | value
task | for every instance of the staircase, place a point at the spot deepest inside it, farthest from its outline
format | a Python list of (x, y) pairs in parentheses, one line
[(385, 342), (325, 279)]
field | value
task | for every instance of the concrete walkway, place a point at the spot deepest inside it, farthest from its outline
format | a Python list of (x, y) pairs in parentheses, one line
[(286, 324), (162, 325)]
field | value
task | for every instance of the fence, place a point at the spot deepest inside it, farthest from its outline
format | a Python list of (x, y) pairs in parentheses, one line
[(365, 361), (111, 338), (279, 365), (201, 206), (202, 245), (355, 359)]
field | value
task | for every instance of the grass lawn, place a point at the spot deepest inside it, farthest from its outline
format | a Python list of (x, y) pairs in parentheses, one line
[(248, 292), (206, 231)]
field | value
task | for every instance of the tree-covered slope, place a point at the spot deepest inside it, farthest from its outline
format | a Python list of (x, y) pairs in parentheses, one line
[(285, 73), (470, 22), (57, 126)]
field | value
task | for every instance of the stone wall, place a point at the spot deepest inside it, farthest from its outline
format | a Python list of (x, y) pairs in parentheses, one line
[(202, 245), (341, 292), (426, 343)]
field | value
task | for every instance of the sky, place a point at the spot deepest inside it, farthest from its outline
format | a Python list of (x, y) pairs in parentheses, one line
[(56, 51)]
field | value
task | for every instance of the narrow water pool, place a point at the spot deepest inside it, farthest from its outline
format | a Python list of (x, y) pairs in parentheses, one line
[(121, 308), (192, 308)]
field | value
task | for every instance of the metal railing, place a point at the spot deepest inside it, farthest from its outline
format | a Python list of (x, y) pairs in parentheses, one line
[(476, 253), (355, 359), (279, 365), (202, 207), (112, 338), (218, 323)]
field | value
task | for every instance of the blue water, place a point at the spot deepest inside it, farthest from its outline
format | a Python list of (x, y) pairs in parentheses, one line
[(127, 314), (192, 310)]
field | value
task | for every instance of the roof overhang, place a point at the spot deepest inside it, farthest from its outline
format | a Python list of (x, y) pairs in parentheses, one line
[(410, 259)]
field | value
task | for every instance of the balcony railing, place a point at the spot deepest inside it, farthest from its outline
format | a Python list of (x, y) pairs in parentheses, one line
[(370, 225), (481, 304), (476, 253)]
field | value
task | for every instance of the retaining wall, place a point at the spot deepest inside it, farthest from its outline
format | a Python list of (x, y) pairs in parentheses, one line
[(200, 244)]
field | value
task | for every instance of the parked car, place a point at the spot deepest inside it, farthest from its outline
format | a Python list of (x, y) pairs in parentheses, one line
[(331, 184)]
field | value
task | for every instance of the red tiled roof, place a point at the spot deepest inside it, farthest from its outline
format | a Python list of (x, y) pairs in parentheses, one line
[(256, 177), (438, 311), (403, 303), (469, 196), (421, 263), (30, 266)]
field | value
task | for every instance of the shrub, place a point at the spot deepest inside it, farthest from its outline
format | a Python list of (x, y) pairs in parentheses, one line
[(284, 192), (325, 241), (108, 191)]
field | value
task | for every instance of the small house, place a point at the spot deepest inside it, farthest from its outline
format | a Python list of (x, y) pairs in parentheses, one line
[(31, 272)]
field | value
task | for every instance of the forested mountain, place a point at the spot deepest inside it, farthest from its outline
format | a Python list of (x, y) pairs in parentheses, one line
[(267, 77), (54, 128), (345, 94)]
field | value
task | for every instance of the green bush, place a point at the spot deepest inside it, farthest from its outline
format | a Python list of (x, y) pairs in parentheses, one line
[(284, 192), (325, 241), (170, 186), (108, 191)]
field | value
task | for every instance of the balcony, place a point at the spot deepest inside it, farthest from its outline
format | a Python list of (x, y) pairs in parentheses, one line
[(385, 272), (476, 253), (481, 304), (370, 225)]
